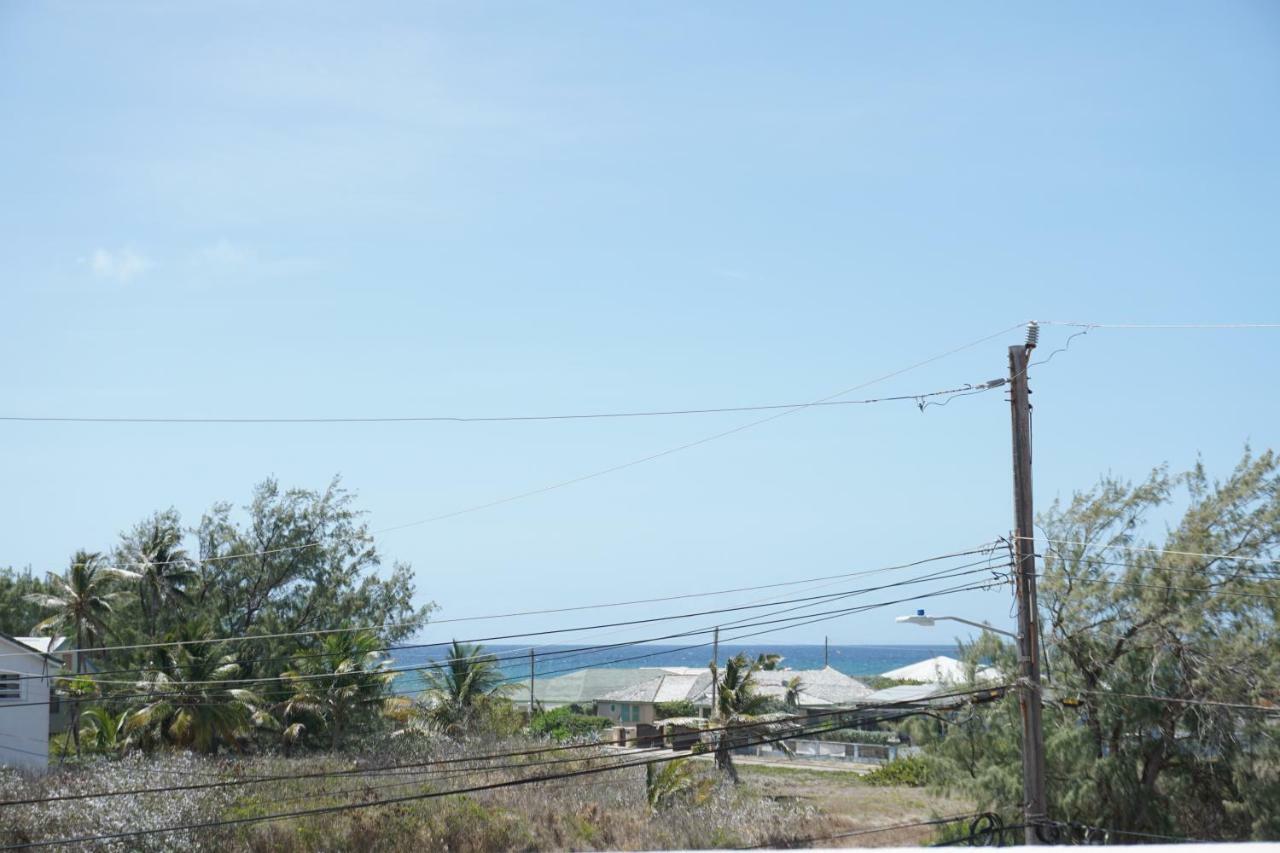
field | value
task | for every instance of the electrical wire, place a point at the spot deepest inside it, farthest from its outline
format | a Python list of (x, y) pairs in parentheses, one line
[(960, 390), (950, 572), (624, 465), (791, 622), (519, 654), (196, 786), (1138, 584), (980, 549), (1161, 551), (1208, 703), (1255, 575), (791, 842), (988, 693), (1159, 325)]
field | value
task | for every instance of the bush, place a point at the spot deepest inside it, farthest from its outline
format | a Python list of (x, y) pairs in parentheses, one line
[(860, 736), (879, 682), (667, 710), (566, 724), (910, 771)]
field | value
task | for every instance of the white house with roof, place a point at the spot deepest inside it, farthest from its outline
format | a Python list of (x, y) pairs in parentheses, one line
[(819, 689), (940, 670), (59, 647), (26, 675), (638, 702), (630, 696), (584, 688)]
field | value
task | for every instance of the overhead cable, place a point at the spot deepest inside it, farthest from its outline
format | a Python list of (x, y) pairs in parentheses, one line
[(614, 468), (982, 548)]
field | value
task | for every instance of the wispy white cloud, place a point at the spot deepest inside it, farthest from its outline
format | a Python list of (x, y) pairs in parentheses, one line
[(119, 264), (225, 253)]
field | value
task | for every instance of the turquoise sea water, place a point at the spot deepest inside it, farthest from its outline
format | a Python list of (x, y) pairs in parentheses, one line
[(551, 661)]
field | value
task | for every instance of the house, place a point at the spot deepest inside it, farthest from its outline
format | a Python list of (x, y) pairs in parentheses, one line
[(584, 688), (631, 696), (25, 676), (59, 712), (819, 689), (940, 670), (638, 702)]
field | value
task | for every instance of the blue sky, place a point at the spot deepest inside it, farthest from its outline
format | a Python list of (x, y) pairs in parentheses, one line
[(479, 209)]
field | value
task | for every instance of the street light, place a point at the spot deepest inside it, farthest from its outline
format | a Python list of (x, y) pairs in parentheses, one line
[(919, 618)]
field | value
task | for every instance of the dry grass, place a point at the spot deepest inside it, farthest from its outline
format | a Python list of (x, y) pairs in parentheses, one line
[(849, 805), (593, 812)]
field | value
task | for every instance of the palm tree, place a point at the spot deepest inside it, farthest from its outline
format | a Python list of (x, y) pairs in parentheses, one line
[(768, 661), (460, 684), (81, 602), (737, 704), (348, 673), (165, 570), (191, 698), (104, 730), (793, 686)]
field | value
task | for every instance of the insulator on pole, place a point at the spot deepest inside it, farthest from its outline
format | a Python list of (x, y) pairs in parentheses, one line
[(1033, 334)]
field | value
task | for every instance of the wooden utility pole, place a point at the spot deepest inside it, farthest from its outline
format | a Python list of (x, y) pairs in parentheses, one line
[(530, 684), (826, 647), (1035, 807), (715, 668)]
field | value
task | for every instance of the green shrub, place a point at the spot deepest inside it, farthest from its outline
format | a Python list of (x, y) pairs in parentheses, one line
[(910, 771), (859, 736), (681, 708), (565, 724), (879, 682)]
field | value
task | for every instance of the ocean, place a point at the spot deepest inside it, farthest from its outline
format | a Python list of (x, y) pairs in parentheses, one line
[(550, 661)]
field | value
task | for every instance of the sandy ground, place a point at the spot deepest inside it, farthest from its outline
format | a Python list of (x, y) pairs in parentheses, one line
[(854, 805)]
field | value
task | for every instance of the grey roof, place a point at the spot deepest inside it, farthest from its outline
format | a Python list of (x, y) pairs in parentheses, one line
[(905, 693), (669, 687), (28, 648), (44, 645), (932, 695), (818, 687), (582, 687)]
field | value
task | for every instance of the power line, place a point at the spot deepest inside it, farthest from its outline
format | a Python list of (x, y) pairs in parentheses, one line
[(983, 548), (1253, 576), (857, 707), (1160, 551), (963, 390), (1092, 325), (951, 572), (433, 794), (941, 821), (1139, 584), (621, 466), (1208, 703), (790, 622)]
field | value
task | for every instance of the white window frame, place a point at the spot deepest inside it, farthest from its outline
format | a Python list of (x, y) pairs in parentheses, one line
[(16, 679)]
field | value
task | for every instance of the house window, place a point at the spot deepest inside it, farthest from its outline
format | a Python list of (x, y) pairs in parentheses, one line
[(10, 687)]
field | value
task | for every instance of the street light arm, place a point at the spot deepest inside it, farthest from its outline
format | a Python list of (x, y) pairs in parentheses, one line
[(981, 625)]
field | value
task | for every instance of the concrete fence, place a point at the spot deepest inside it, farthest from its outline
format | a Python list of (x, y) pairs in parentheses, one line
[(861, 753)]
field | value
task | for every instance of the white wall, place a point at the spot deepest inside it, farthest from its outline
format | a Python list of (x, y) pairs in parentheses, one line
[(24, 727)]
